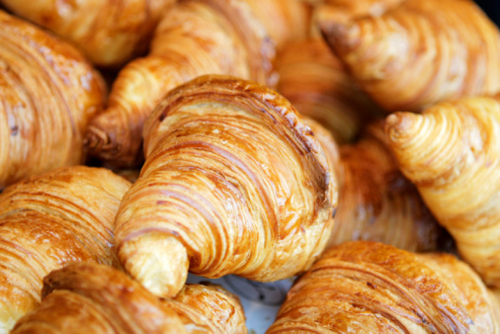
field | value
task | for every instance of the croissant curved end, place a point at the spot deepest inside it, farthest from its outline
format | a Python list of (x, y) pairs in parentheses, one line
[(401, 127), (158, 262)]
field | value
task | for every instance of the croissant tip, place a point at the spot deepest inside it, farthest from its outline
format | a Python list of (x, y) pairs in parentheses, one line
[(398, 126)]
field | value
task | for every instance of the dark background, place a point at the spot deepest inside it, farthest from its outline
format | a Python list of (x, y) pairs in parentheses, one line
[(492, 8)]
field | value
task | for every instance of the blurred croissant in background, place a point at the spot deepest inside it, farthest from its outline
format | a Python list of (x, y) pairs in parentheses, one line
[(91, 298), (48, 93), (109, 32), (417, 53), (234, 182), (367, 287), (45, 222), (452, 154)]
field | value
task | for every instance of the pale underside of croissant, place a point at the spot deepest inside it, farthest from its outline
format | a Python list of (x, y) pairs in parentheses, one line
[(91, 298), (109, 32), (48, 92), (377, 203), (367, 287), (45, 222), (234, 182), (194, 38), (418, 53), (452, 153), (316, 83)]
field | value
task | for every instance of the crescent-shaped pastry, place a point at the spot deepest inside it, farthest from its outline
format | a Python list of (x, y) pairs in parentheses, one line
[(418, 53), (452, 154), (194, 38), (48, 93), (234, 182), (89, 298), (368, 287), (45, 222), (109, 32)]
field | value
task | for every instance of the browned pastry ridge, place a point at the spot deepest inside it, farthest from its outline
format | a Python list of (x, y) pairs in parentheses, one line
[(48, 92), (418, 53), (368, 287), (91, 298), (47, 221), (234, 182), (452, 153), (109, 32), (194, 38), (376, 202)]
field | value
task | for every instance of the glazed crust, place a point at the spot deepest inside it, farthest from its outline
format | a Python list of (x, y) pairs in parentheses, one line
[(109, 32), (45, 222), (48, 93), (375, 288), (234, 182), (419, 53), (451, 152)]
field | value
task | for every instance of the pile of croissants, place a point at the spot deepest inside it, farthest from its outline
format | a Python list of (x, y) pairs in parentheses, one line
[(352, 144)]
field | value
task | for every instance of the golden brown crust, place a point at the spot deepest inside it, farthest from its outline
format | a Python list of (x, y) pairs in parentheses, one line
[(375, 288), (194, 38), (233, 179), (109, 32), (451, 152), (48, 93), (420, 52), (45, 222)]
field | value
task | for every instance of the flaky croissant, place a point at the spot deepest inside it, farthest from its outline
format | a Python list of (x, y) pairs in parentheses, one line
[(419, 53), (45, 222), (194, 38), (316, 83), (91, 298), (234, 182), (110, 32), (452, 153), (368, 287), (48, 92), (377, 203)]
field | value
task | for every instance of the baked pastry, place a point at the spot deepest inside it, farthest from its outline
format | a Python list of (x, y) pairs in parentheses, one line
[(418, 53), (91, 298), (316, 83), (377, 203), (194, 38), (234, 183), (452, 153), (47, 221), (368, 287), (48, 93), (109, 32)]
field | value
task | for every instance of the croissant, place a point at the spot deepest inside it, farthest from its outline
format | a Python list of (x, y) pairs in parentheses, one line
[(194, 38), (377, 203), (452, 153), (418, 53), (368, 287), (315, 82), (234, 183), (47, 221), (109, 32), (91, 298), (48, 93)]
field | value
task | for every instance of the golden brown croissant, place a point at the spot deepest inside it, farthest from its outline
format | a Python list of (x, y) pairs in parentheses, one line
[(91, 298), (452, 153), (194, 38), (317, 85), (420, 52), (110, 32), (48, 92), (377, 203), (368, 287), (234, 182), (47, 221)]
